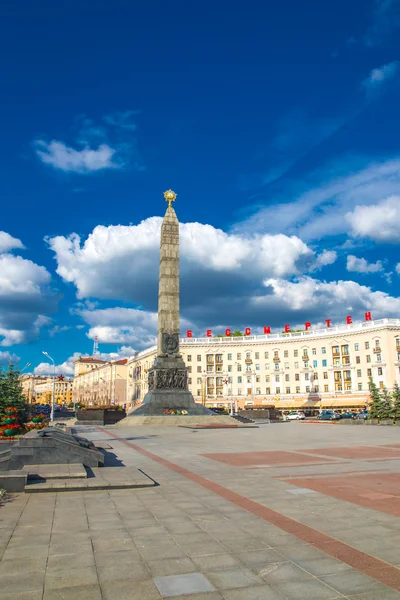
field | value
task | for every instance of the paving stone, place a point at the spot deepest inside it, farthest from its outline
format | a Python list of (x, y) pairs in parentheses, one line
[(260, 557), (261, 592), (190, 583), (171, 566), (16, 567), (206, 596), (206, 548), (124, 590), (113, 545), (276, 572), (324, 566), (71, 578), (63, 562), (308, 589), (83, 592), (26, 552), (23, 582), (136, 571), (216, 562), (351, 582), (104, 559), (161, 552), (69, 547), (27, 595), (380, 592), (233, 578)]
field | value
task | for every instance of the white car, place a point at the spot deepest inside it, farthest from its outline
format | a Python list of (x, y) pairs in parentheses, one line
[(295, 416)]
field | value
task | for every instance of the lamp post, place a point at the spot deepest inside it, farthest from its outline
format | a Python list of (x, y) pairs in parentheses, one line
[(54, 385), (204, 389), (28, 364)]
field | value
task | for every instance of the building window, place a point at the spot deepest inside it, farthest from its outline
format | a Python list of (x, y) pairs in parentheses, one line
[(257, 355), (277, 367), (315, 375), (239, 367), (377, 343), (379, 357), (316, 388), (189, 369), (199, 369), (239, 356), (368, 358), (367, 345), (267, 390), (229, 368), (314, 351), (381, 385), (239, 391), (336, 362), (305, 351), (315, 363), (288, 390), (248, 355), (229, 356), (297, 377), (345, 350), (239, 380), (360, 387), (276, 378), (297, 389), (326, 388), (398, 356), (266, 355), (296, 365), (323, 350), (358, 359), (276, 353), (230, 380), (335, 350), (286, 354), (267, 378), (258, 391), (286, 365), (199, 392), (307, 376), (307, 389), (198, 380), (257, 367), (267, 366), (325, 375), (346, 360), (359, 373), (356, 347), (257, 379), (324, 363), (189, 357), (190, 381), (306, 365), (380, 371), (296, 353), (287, 377), (369, 372), (219, 357)]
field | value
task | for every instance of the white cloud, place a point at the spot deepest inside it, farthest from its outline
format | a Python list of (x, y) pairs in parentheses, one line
[(315, 208), (361, 265), (121, 262), (58, 329), (7, 357), (63, 157), (321, 299), (67, 367), (327, 257), (25, 298), (398, 268), (379, 76), (379, 222), (385, 19), (8, 242)]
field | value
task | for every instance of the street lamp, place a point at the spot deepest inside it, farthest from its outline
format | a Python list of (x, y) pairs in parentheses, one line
[(54, 384), (28, 364)]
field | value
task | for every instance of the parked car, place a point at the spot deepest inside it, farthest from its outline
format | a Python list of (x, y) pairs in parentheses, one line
[(364, 414), (348, 415), (329, 415), (295, 415)]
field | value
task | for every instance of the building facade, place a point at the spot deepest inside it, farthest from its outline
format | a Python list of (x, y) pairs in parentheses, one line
[(100, 383), (324, 367), (39, 389)]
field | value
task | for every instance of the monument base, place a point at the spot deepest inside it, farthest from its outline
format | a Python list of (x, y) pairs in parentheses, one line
[(168, 402)]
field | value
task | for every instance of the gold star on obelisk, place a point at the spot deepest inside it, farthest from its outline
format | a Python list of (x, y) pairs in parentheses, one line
[(170, 197)]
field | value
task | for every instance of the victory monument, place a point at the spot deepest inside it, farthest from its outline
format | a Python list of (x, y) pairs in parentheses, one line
[(168, 378)]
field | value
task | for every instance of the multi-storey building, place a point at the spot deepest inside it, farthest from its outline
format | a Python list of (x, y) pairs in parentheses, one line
[(39, 389), (98, 382), (324, 367)]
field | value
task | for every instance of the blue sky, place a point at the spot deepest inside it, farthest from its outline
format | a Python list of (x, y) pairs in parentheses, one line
[(276, 124)]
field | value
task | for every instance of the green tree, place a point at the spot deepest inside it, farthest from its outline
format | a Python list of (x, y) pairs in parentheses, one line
[(375, 401), (386, 408), (238, 333), (11, 390), (396, 403)]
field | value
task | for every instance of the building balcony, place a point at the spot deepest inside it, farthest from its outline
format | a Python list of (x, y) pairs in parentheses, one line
[(305, 357), (276, 359), (377, 349)]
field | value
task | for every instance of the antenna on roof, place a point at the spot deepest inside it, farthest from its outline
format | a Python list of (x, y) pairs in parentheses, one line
[(96, 346)]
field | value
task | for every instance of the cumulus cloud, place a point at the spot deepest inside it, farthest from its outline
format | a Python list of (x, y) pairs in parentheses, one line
[(26, 297), (379, 222), (327, 257), (7, 357), (361, 265), (67, 367), (121, 262), (68, 159), (307, 297), (385, 20), (8, 242), (380, 76)]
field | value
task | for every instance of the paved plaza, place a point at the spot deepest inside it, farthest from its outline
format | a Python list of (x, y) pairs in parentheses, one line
[(293, 511)]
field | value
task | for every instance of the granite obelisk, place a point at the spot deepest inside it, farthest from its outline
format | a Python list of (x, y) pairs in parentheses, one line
[(167, 378)]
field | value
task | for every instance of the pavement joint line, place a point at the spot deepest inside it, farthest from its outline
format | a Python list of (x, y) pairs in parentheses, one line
[(365, 563)]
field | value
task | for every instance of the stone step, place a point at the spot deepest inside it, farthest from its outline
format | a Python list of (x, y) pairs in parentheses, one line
[(14, 480), (56, 471), (105, 478)]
